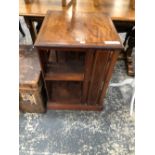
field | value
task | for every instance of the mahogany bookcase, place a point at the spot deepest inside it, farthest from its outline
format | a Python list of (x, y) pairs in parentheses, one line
[(77, 52)]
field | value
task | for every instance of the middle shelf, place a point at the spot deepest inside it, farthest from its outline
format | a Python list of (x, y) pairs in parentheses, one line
[(65, 66), (68, 71)]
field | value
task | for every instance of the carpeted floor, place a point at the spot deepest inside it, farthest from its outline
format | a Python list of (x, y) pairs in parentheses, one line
[(110, 132)]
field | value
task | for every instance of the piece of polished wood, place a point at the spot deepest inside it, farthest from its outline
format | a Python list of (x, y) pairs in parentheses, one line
[(117, 9), (79, 66), (79, 30)]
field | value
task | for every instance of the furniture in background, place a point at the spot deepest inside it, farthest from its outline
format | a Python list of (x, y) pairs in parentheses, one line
[(120, 11), (32, 92), (77, 54)]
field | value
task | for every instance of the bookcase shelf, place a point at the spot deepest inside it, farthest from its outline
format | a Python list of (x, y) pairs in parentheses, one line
[(68, 71), (65, 92)]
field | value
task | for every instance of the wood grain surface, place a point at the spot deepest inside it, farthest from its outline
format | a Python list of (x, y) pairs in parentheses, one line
[(78, 30)]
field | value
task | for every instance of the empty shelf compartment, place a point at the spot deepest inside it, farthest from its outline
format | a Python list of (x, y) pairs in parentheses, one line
[(68, 71)]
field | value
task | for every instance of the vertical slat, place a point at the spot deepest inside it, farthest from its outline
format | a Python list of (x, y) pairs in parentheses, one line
[(109, 71), (87, 74), (104, 73), (100, 62)]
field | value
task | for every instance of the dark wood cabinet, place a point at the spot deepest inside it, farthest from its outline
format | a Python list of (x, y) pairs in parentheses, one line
[(77, 54)]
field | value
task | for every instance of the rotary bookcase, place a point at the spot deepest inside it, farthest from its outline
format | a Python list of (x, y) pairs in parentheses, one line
[(77, 52)]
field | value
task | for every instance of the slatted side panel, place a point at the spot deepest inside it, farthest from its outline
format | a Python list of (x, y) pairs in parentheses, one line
[(108, 73), (101, 61)]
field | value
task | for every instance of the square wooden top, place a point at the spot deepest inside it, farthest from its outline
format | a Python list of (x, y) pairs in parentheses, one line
[(78, 30)]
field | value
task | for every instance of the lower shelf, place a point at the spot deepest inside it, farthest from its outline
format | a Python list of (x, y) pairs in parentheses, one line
[(65, 92), (67, 96)]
